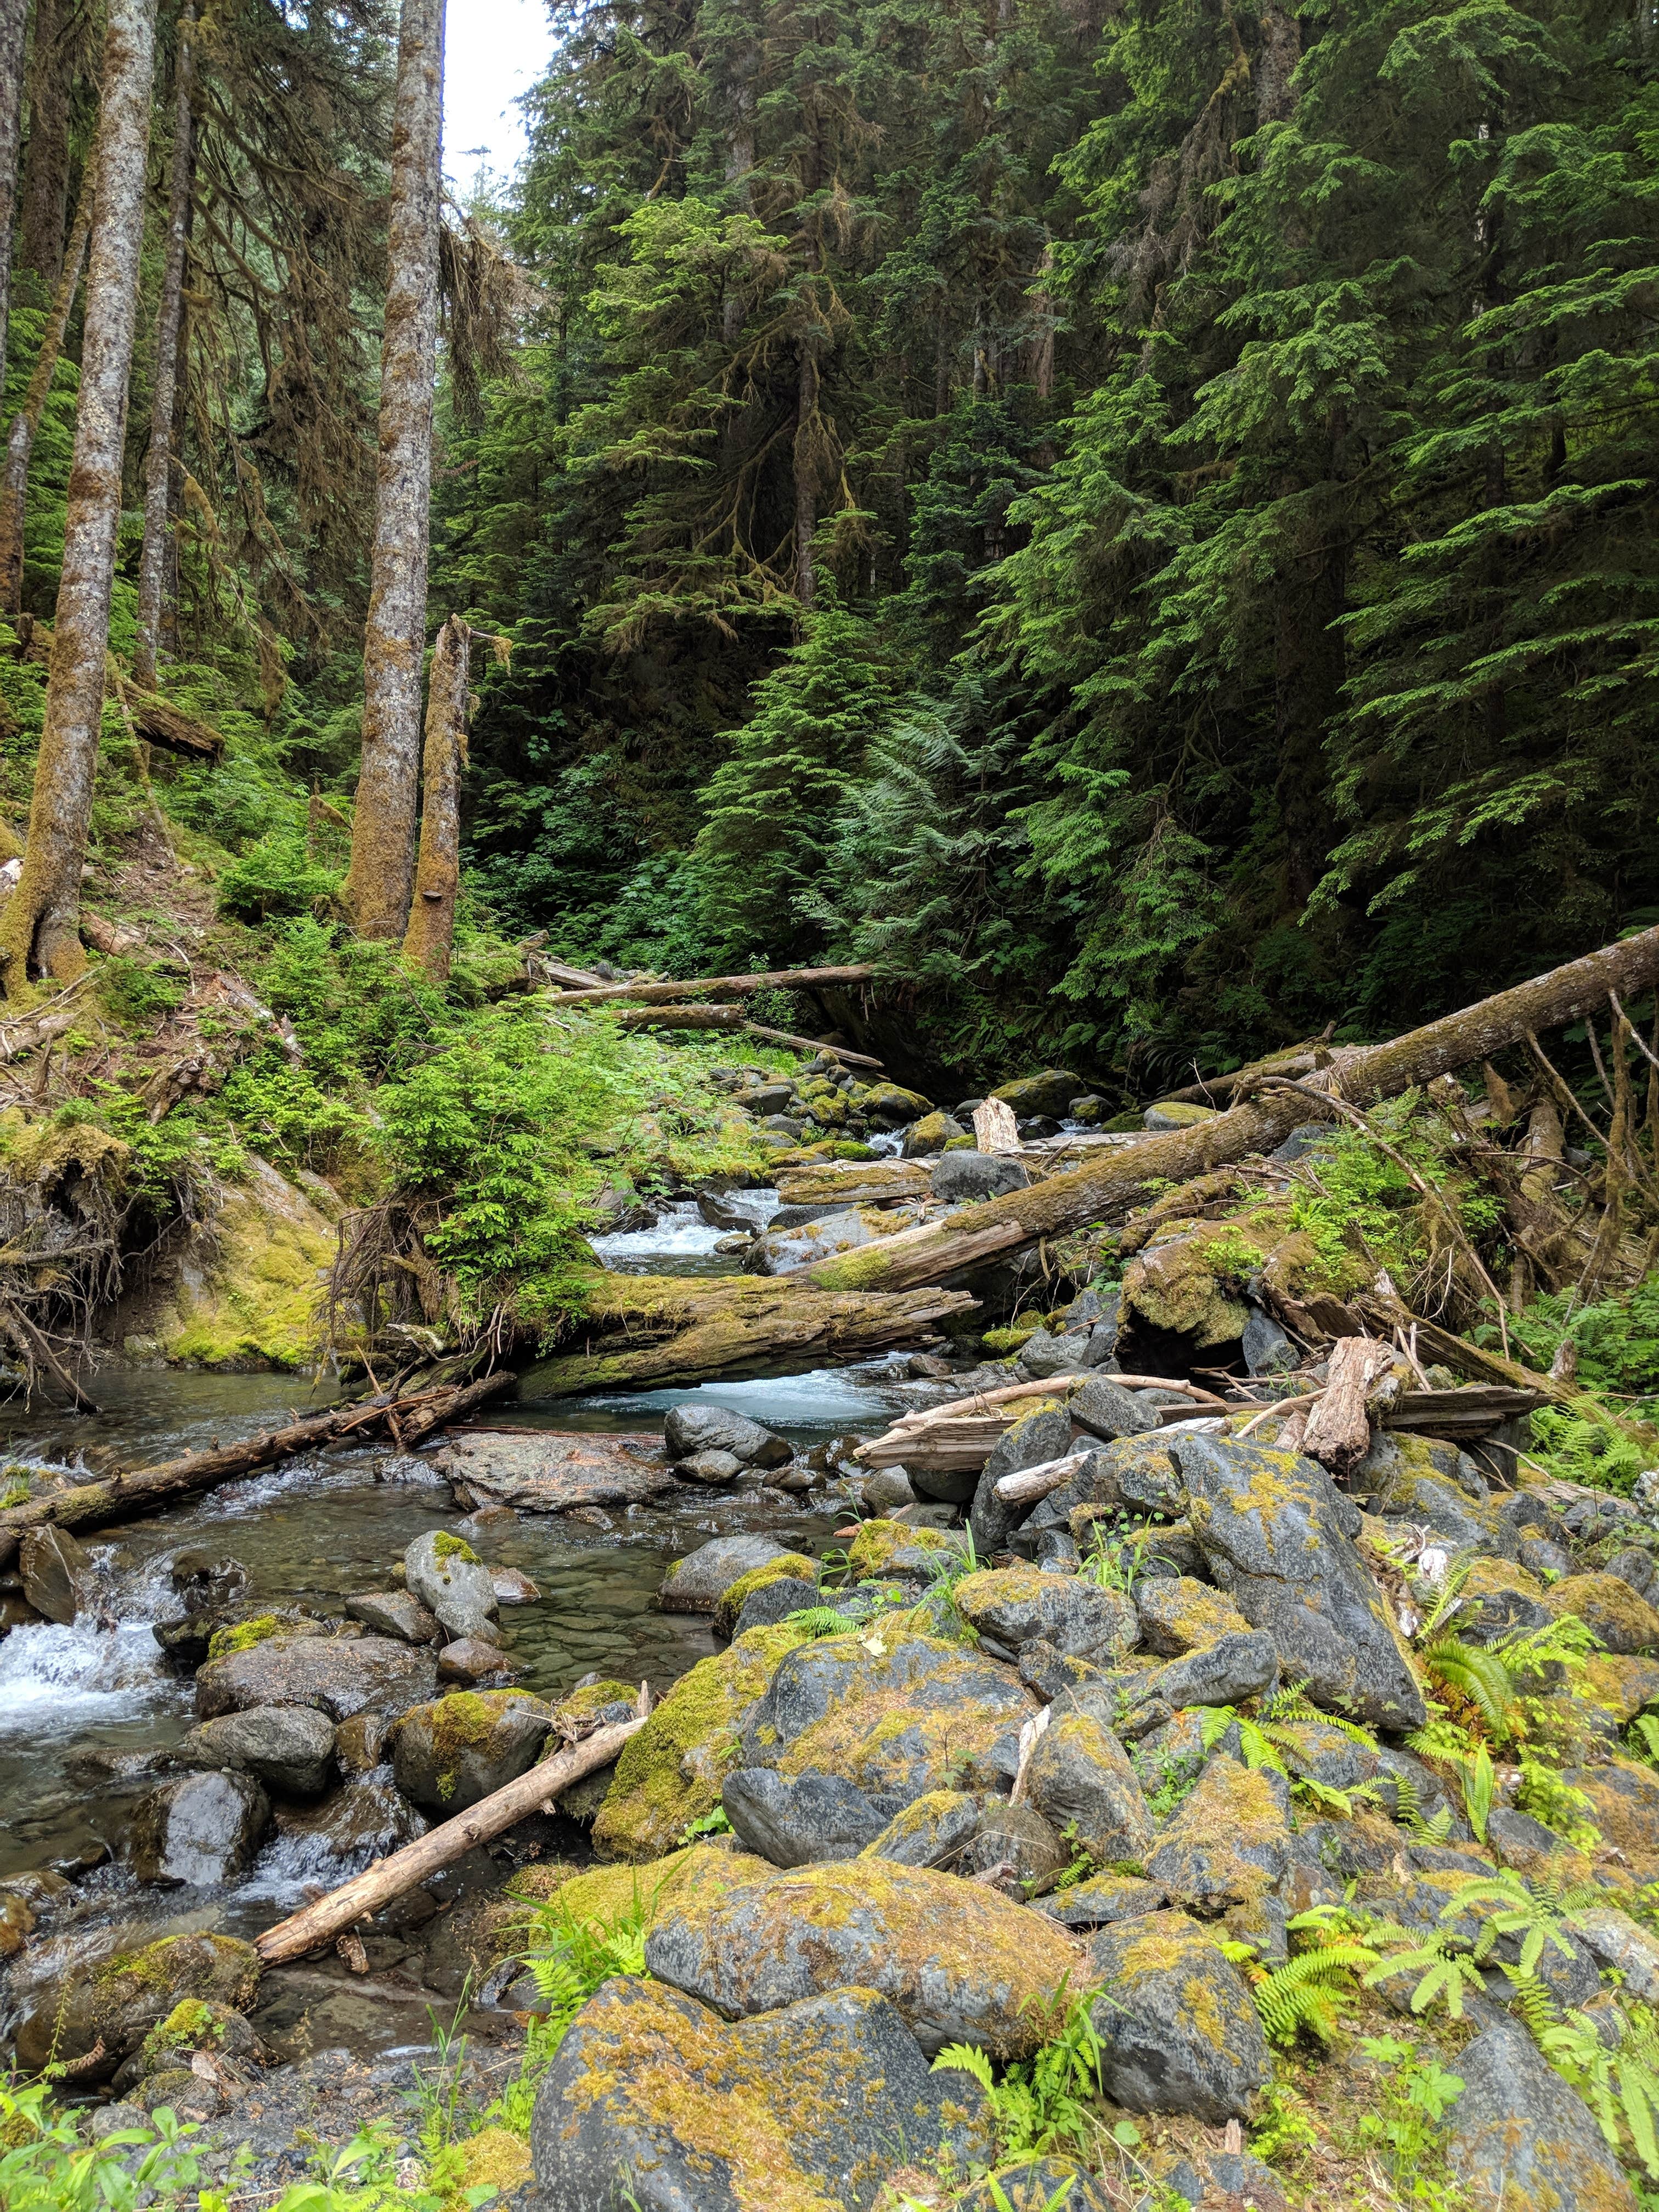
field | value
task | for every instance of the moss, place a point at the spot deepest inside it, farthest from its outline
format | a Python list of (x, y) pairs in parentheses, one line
[(464, 1721), (786, 1564), (608, 1893), (245, 1635), (588, 1702), (1003, 1343), (191, 2023), (1622, 1686), (253, 1302), (447, 1546), (495, 2159), (1623, 1620), (872, 1549), (1177, 1114)]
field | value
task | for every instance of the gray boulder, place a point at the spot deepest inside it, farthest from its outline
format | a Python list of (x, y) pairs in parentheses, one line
[(450, 1753), (797, 1822), (395, 1612), (1106, 1409), (1179, 2029), (1229, 1843), (1048, 1092), (1266, 1349), (98, 2017), (965, 1178), (697, 1582), (289, 1747), (199, 1830), (338, 1675), (1278, 1536), (57, 1574), (775, 1600), (452, 1582), (1102, 1900), (816, 2103), (1014, 1605), (886, 1490), (1015, 1847), (1518, 2136), (1080, 1780), (695, 1428), (1034, 2185), (779, 1251), (1042, 1355), (1043, 1434), (713, 1467), (1224, 1673), (932, 1831)]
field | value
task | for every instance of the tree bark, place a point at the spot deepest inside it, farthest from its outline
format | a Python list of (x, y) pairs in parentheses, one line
[(20, 439), (13, 20), (430, 939), (1338, 1431), (806, 471), (158, 465), (380, 878), (46, 172), (653, 995), (39, 927), (330, 1916), (937, 1251)]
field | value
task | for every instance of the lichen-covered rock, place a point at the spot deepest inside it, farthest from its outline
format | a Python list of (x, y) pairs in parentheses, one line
[(934, 1829), (672, 1771), (786, 1566), (807, 2111), (797, 1822), (1622, 1685), (891, 1711), (1014, 1847), (1396, 1456), (338, 1675), (1016, 1604), (1223, 2181), (1278, 1537), (459, 1749), (1179, 1614), (1235, 1666), (1501, 1595), (1042, 1433), (1101, 1901), (200, 1830), (1328, 1755), (116, 2004), (1624, 1621), (695, 1428), (898, 1547), (960, 1962), (1049, 1093), (1034, 2185), (1624, 1805), (452, 1583), (289, 1747), (604, 1894), (1228, 1843), (697, 1582), (1519, 2139), (1621, 1944), (1079, 1778), (1179, 2029)]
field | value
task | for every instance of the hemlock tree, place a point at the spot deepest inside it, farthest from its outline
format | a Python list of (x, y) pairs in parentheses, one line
[(169, 317), (39, 925)]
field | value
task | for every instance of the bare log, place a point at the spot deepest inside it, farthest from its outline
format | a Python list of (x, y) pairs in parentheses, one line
[(429, 939), (994, 1128), (811, 1044), (330, 1916), (937, 1251), (1032, 1483), (955, 1437), (730, 987), (659, 1017), (124, 1495), (1339, 1434), (1224, 1090)]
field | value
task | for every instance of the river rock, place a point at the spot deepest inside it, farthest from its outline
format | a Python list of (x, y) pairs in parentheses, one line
[(1278, 1537), (1179, 2029), (815, 2104), (207, 1581), (1048, 1093), (964, 1178), (697, 1582), (782, 1251), (1080, 1780), (1043, 1354), (200, 1830), (470, 1660), (360, 1743), (1042, 1433), (449, 1754), (449, 1579), (289, 1747), (553, 1473), (57, 1574), (798, 1822), (1102, 1900), (1015, 1605), (395, 1612), (1179, 1615), (1106, 1409), (934, 1829), (365, 1819), (513, 1587), (339, 1676), (713, 1467), (958, 1961), (1518, 2137), (1229, 1843), (116, 2002), (699, 1428), (16, 1923), (887, 1489)]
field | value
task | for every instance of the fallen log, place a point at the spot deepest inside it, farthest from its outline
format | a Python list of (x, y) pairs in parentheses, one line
[(1470, 1411), (125, 1495), (728, 1018), (730, 987), (1339, 1431), (1293, 1059), (357, 1899), (1032, 1483), (935, 1251), (957, 1438)]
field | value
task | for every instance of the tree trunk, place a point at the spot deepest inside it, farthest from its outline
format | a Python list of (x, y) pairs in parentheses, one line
[(431, 935), (19, 439), (380, 878), (46, 172), (806, 475), (14, 19), (39, 928), (937, 1251), (773, 979), (158, 465)]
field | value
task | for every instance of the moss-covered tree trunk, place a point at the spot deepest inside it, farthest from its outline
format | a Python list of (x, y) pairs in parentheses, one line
[(169, 320), (47, 173), (13, 20), (26, 424), (380, 878), (430, 937), (39, 927)]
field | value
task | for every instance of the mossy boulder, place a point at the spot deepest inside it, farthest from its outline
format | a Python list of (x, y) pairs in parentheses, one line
[(1191, 1282), (1080, 1780), (624, 1891), (452, 1583), (1179, 2030), (928, 1137), (959, 1961), (1176, 1114), (340, 1675), (1520, 2140), (1102, 1900), (1048, 1093), (1229, 1843), (1608, 1604), (1179, 1614), (242, 1291), (1507, 1598), (1624, 1805), (116, 2004), (809, 2110), (786, 1567), (460, 1749), (932, 1830), (886, 1547), (671, 1772), (1016, 1604), (1622, 1684)]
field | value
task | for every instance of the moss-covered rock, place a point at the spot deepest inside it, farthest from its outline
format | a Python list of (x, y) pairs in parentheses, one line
[(1102, 1900), (116, 2004), (957, 1959), (1178, 2028), (1229, 1843), (786, 1566), (1624, 1621), (1624, 1806), (460, 1749), (1190, 1282), (1622, 1684), (1078, 1616), (1507, 1596), (932, 1830), (1048, 1092), (1176, 1114), (1179, 1614), (671, 1773), (1080, 1780), (606, 1896), (879, 1547)]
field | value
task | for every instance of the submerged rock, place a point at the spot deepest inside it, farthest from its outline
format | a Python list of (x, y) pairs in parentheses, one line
[(199, 1830), (553, 1473), (395, 1612), (354, 1826), (452, 1754), (115, 2004), (1179, 2029)]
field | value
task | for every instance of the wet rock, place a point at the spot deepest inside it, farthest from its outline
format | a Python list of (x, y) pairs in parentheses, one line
[(1230, 1842), (1179, 2030), (116, 2004), (339, 1677), (360, 1743), (200, 1831), (799, 1821), (1034, 2184), (932, 1831), (815, 2104), (1042, 1434), (713, 1467), (16, 1923), (553, 1473), (449, 1754), (964, 1178), (1106, 1409), (364, 1820), (889, 1487), (57, 1574), (774, 1601), (1016, 1604), (1049, 1093), (697, 1582), (958, 1961), (207, 1581), (452, 1582), (1624, 1620), (289, 1747), (1279, 1539), (513, 1587), (1179, 1615), (695, 1428), (469, 1659), (1517, 2136), (1266, 1349), (1102, 1900), (1616, 1941), (395, 1612), (1080, 1780)]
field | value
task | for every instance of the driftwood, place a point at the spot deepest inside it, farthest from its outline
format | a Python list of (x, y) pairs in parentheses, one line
[(725, 986), (124, 1495), (1472, 1411), (726, 1018), (955, 1437), (937, 1251), (1032, 1483), (995, 1129), (529, 1792), (1339, 1431)]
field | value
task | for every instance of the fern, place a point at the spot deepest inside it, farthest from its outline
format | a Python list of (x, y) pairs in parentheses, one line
[(1619, 2087), (1445, 1974), (1042, 2103), (819, 1620), (1303, 1995), (1479, 1677), (1408, 1813)]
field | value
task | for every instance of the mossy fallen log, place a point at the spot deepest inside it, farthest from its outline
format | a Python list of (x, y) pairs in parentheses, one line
[(642, 1330)]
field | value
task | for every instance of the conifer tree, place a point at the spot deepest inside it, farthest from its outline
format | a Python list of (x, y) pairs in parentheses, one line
[(169, 318)]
